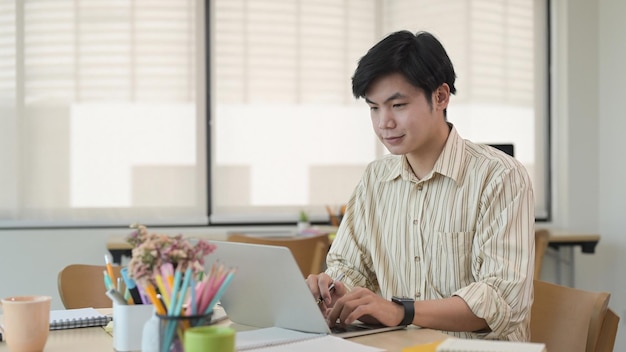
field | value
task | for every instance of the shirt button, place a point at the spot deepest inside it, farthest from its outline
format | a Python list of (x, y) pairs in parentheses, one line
[(417, 258), (415, 222), (418, 295), (419, 187)]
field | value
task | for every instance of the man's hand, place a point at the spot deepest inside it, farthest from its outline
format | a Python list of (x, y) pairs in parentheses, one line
[(366, 306), (319, 286)]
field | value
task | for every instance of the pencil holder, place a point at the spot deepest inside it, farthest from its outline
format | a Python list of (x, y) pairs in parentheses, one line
[(128, 322), (172, 329)]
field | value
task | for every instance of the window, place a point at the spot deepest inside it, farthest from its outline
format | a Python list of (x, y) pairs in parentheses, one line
[(103, 109), (286, 132), (99, 113)]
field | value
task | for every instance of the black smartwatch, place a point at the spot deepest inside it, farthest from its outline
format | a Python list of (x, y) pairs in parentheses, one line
[(409, 309)]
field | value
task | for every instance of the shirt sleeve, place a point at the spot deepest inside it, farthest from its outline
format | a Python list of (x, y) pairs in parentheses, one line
[(349, 253), (503, 258)]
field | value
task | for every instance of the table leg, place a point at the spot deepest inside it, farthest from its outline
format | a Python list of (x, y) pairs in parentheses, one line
[(557, 256), (572, 272), (565, 258), (117, 255)]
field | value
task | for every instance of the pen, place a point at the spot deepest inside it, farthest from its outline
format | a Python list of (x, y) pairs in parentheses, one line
[(131, 286), (116, 297), (220, 291), (158, 305), (108, 284), (331, 288), (109, 266)]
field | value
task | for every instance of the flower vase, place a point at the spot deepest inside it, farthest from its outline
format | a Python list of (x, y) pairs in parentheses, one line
[(303, 226)]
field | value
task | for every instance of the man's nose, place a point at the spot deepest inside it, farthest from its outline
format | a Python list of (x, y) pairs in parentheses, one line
[(386, 119)]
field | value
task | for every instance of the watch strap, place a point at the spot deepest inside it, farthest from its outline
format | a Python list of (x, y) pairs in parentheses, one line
[(409, 309)]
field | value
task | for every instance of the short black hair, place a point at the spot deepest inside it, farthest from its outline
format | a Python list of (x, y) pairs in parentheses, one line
[(419, 57)]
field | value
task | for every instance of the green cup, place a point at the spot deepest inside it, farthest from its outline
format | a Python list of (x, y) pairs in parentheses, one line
[(210, 338)]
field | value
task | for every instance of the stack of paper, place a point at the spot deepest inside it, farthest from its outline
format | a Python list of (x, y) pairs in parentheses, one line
[(278, 339)]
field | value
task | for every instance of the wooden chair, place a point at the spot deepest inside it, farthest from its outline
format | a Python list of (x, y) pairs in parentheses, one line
[(608, 332), (542, 237), (568, 319), (82, 286), (308, 251)]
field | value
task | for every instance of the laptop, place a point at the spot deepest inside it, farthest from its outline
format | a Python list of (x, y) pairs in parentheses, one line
[(268, 290)]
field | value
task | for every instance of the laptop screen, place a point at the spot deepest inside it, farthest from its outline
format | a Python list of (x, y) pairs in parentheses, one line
[(268, 290)]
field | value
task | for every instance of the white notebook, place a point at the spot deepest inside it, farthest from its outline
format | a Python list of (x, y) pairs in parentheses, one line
[(279, 339), (467, 345), (77, 318)]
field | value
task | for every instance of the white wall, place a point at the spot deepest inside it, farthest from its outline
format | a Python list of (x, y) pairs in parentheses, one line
[(612, 159), (590, 162), (589, 168), (30, 260)]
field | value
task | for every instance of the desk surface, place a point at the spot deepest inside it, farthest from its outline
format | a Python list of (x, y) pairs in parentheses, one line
[(556, 236), (97, 340), (586, 241), (74, 340), (118, 246)]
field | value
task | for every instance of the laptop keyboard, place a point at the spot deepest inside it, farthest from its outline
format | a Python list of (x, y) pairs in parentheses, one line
[(337, 329)]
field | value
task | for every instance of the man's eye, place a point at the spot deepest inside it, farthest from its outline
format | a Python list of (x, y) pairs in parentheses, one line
[(399, 105), (373, 108)]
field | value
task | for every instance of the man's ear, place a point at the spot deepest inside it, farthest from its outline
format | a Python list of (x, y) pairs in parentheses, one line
[(441, 97)]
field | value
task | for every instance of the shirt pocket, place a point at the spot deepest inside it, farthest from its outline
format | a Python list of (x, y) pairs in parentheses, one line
[(451, 267)]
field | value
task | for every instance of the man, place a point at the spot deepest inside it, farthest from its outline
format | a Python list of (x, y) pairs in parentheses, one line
[(440, 233)]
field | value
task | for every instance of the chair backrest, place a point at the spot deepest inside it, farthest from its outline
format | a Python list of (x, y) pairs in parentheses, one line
[(308, 251), (542, 237), (82, 286), (565, 318), (608, 332)]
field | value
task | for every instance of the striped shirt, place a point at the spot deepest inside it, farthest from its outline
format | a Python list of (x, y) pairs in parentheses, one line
[(466, 229)]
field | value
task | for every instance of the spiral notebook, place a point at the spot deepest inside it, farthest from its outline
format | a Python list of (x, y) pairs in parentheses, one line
[(77, 318)]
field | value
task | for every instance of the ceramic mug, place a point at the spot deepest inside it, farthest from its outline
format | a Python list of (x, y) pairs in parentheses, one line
[(26, 322), (210, 338)]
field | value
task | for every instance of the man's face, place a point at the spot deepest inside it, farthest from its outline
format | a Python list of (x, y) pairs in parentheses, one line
[(401, 115)]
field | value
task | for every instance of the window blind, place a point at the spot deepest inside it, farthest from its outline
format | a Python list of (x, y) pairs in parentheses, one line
[(99, 113), (287, 133)]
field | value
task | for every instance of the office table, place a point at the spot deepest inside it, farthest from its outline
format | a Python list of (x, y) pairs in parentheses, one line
[(564, 241), (587, 242), (96, 339), (119, 248), (75, 340)]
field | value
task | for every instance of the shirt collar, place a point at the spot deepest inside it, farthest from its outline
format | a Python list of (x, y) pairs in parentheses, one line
[(449, 162)]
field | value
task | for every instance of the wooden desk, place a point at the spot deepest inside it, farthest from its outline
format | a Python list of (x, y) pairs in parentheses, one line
[(75, 340), (97, 340), (118, 247), (562, 243), (587, 242), (395, 341)]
